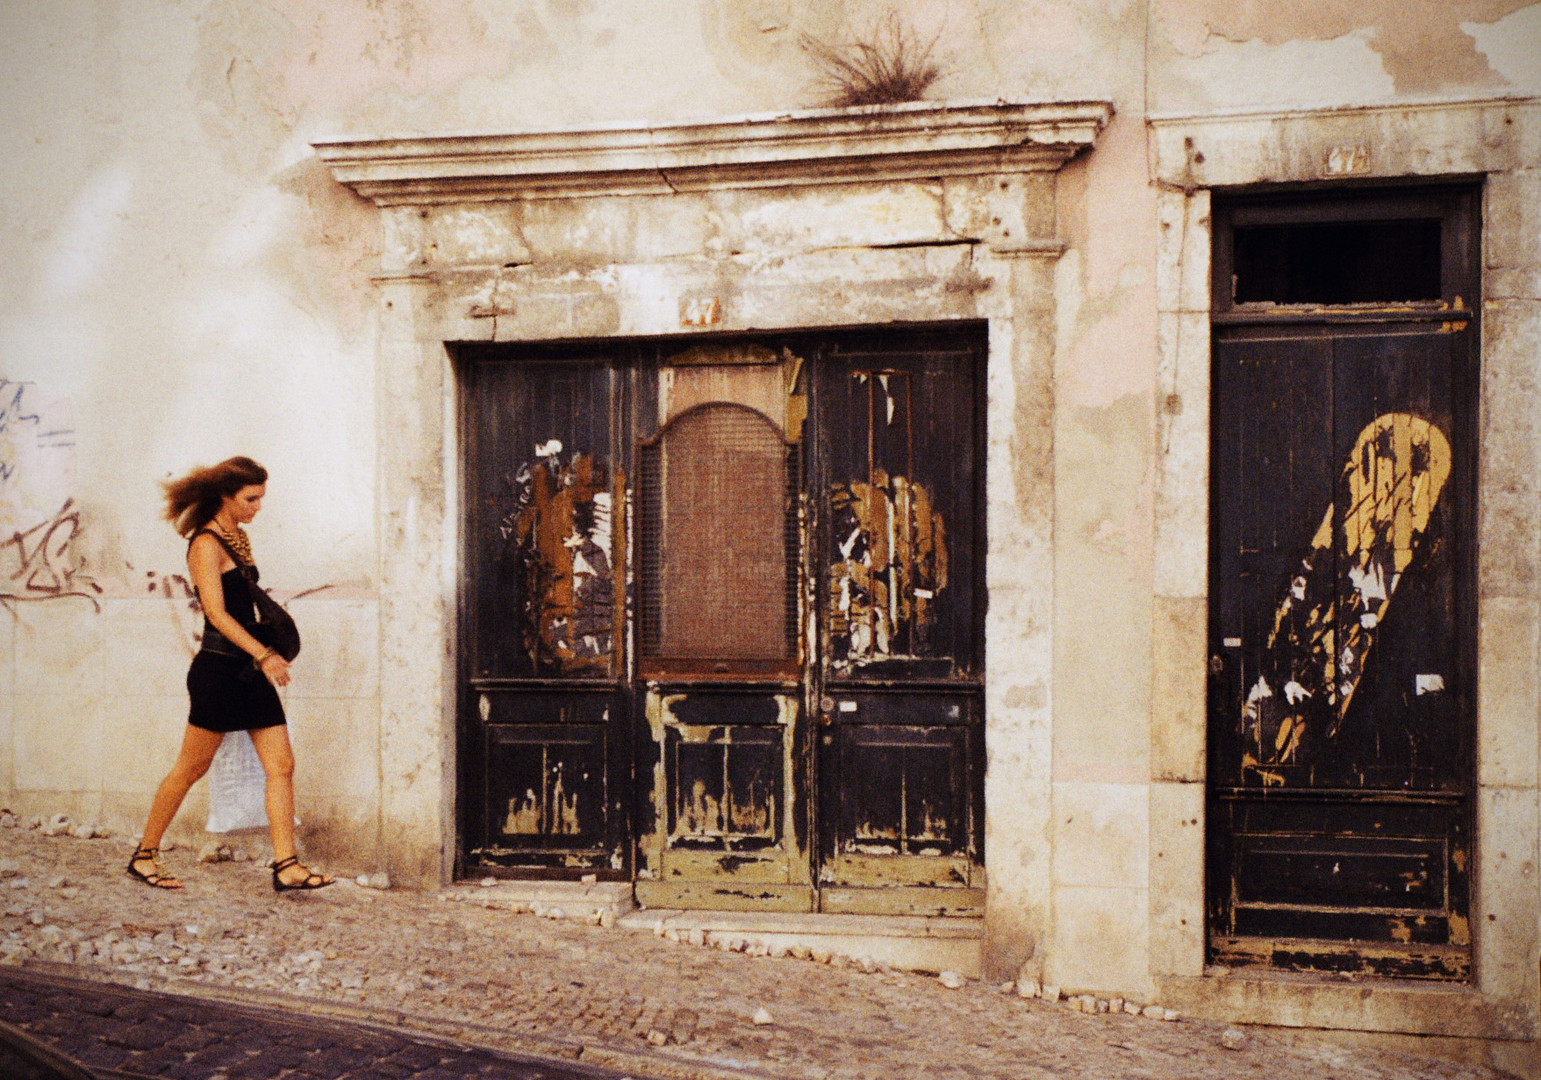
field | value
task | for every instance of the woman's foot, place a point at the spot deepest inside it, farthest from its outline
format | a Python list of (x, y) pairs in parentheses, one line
[(289, 876), (143, 867)]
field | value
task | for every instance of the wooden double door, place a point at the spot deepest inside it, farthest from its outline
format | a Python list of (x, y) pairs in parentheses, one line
[(721, 617), (1342, 609)]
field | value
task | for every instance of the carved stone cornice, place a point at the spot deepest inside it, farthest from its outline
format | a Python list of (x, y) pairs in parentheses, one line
[(918, 140)]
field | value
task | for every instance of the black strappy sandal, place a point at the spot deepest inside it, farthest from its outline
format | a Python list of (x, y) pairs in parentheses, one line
[(309, 881), (155, 879)]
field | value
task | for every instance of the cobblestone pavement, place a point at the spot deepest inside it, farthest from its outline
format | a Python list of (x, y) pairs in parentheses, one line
[(591, 994), (138, 1033)]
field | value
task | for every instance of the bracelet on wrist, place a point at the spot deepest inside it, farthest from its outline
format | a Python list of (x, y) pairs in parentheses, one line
[(259, 661)]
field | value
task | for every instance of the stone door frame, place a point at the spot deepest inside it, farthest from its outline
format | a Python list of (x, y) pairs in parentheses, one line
[(918, 213), (1492, 139)]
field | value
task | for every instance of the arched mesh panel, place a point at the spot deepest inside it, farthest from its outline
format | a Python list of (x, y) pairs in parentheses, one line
[(717, 580)]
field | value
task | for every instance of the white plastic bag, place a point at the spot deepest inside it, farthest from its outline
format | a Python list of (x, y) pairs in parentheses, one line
[(236, 786)]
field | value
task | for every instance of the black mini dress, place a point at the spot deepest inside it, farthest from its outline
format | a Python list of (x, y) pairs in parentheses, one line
[(226, 691)]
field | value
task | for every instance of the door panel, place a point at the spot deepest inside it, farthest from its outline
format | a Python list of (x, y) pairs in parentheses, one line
[(548, 783), (719, 572), (729, 834), (719, 557), (900, 727), (898, 444), (898, 811), (1340, 722), (547, 594), (1401, 721), (544, 751), (1343, 860), (680, 558)]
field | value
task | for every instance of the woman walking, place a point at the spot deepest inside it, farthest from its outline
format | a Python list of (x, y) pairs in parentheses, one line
[(233, 676)]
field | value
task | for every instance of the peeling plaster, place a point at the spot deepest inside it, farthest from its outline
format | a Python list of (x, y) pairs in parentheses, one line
[(1419, 45), (1512, 46), (1344, 69), (231, 83)]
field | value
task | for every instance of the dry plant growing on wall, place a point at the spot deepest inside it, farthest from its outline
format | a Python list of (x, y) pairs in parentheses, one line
[(884, 66)]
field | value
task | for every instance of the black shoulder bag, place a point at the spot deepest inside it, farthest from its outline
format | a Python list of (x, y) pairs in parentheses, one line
[(275, 626)]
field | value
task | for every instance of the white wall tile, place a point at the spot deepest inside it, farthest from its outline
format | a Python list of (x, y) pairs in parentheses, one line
[(1099, 941), (1101, 834), (58, 742)]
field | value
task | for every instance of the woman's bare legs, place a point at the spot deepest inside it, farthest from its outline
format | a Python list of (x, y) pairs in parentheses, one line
[(198, 747), (277, 756)]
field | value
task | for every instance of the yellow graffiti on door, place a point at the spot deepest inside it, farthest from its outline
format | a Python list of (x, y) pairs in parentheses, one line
[(1325, 625)]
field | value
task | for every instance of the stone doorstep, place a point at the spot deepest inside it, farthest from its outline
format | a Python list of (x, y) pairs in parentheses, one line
[(1282, 999), (906, 942), (1451, 1022), (582, 900)]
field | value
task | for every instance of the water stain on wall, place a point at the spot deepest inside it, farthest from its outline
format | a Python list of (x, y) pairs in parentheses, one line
[(344, 53)]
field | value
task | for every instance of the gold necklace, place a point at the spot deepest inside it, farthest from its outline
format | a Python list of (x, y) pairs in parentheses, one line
[(240, 544)]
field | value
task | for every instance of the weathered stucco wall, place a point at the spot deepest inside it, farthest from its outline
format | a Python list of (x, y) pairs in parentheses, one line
[(184, 284), (185, 280)]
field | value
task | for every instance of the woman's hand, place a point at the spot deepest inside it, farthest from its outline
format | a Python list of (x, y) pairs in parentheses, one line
[(276, 668)]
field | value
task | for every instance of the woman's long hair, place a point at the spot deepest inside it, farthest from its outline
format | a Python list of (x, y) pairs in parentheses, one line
[(194, 499)]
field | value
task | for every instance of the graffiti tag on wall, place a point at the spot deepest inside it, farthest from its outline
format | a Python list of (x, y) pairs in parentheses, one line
[(40, 528), (24, 431), (14, 416), (43, 562)]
